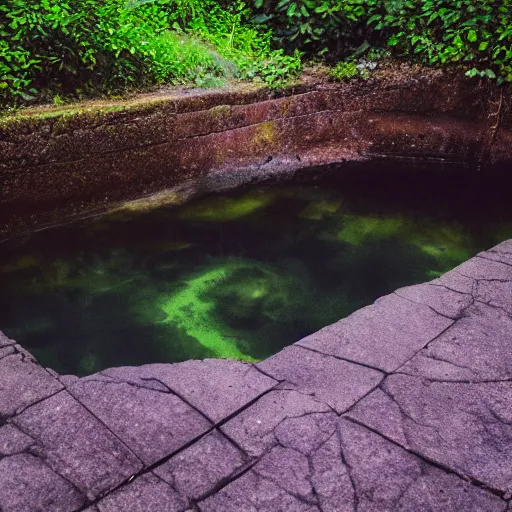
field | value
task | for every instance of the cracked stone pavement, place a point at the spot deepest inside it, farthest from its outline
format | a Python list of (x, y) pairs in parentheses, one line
[(406, 405)]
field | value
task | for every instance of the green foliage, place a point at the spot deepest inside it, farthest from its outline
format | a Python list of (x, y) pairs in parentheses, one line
[(474, 33), (314, 26), (70, 45), (275, 68), (248, 46), (180, 58), (439, 32), (54, 47), (57, 48), (344, 71), (61, 45)]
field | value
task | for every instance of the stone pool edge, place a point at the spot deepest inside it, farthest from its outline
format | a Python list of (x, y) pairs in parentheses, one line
[(56, 164), (407, 397)]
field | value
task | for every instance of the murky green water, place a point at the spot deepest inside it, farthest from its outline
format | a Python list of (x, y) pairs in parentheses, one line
[(242, 274)]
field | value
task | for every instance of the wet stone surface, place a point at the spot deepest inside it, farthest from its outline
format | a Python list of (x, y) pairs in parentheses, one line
[(147, 492), (203, 466), (353, 469), (7, 351), (459, 355), (5, 341), (13, 441), (403, 406), (27, 483)]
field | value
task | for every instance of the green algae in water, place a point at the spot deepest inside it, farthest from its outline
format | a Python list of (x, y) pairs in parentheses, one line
[(238, 275), (223, 209), (191, 310)]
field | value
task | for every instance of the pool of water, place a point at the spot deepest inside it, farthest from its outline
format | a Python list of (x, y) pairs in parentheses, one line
[(240, 274)]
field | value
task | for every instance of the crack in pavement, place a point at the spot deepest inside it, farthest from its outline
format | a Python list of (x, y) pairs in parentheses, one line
[(431, 462), (419, 303)]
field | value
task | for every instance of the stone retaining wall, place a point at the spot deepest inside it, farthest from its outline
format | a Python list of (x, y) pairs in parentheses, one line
[(57, 163)]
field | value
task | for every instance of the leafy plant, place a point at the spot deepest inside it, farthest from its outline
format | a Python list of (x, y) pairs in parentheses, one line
[(315, 26), (344, 71), (275, 70), (57, 48), (62, 47), (178, 58), (248, 46), (475, 33)]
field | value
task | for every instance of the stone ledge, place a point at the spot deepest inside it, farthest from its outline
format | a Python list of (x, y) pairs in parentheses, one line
[(56, 164)]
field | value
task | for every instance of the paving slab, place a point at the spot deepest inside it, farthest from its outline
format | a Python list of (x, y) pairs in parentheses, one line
[(68, 380), (471, 350), (466, 427), (148, 493), (216, 387), (290, 471), (13, 441), (252, 493), (488, 280), (77, 445), (153, 424), (495, 293), (443, 301), (253, 429), (333, 381), (388, 478), (503, 247), (455, 281), (27, 484), (22, 383), (502, 254), (202, 467), (485, 269), (353, 469), (306, 434), (384, 335)]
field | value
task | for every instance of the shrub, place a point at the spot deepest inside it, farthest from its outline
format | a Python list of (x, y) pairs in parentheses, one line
[(474, 33), (178, 58), (317, 27), (344, 71), (275, 69), (248, 46), (53, 47), (66, 45), (438, 32)]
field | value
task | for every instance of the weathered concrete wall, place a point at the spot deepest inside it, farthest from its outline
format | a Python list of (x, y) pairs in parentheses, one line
[(56, 163)]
